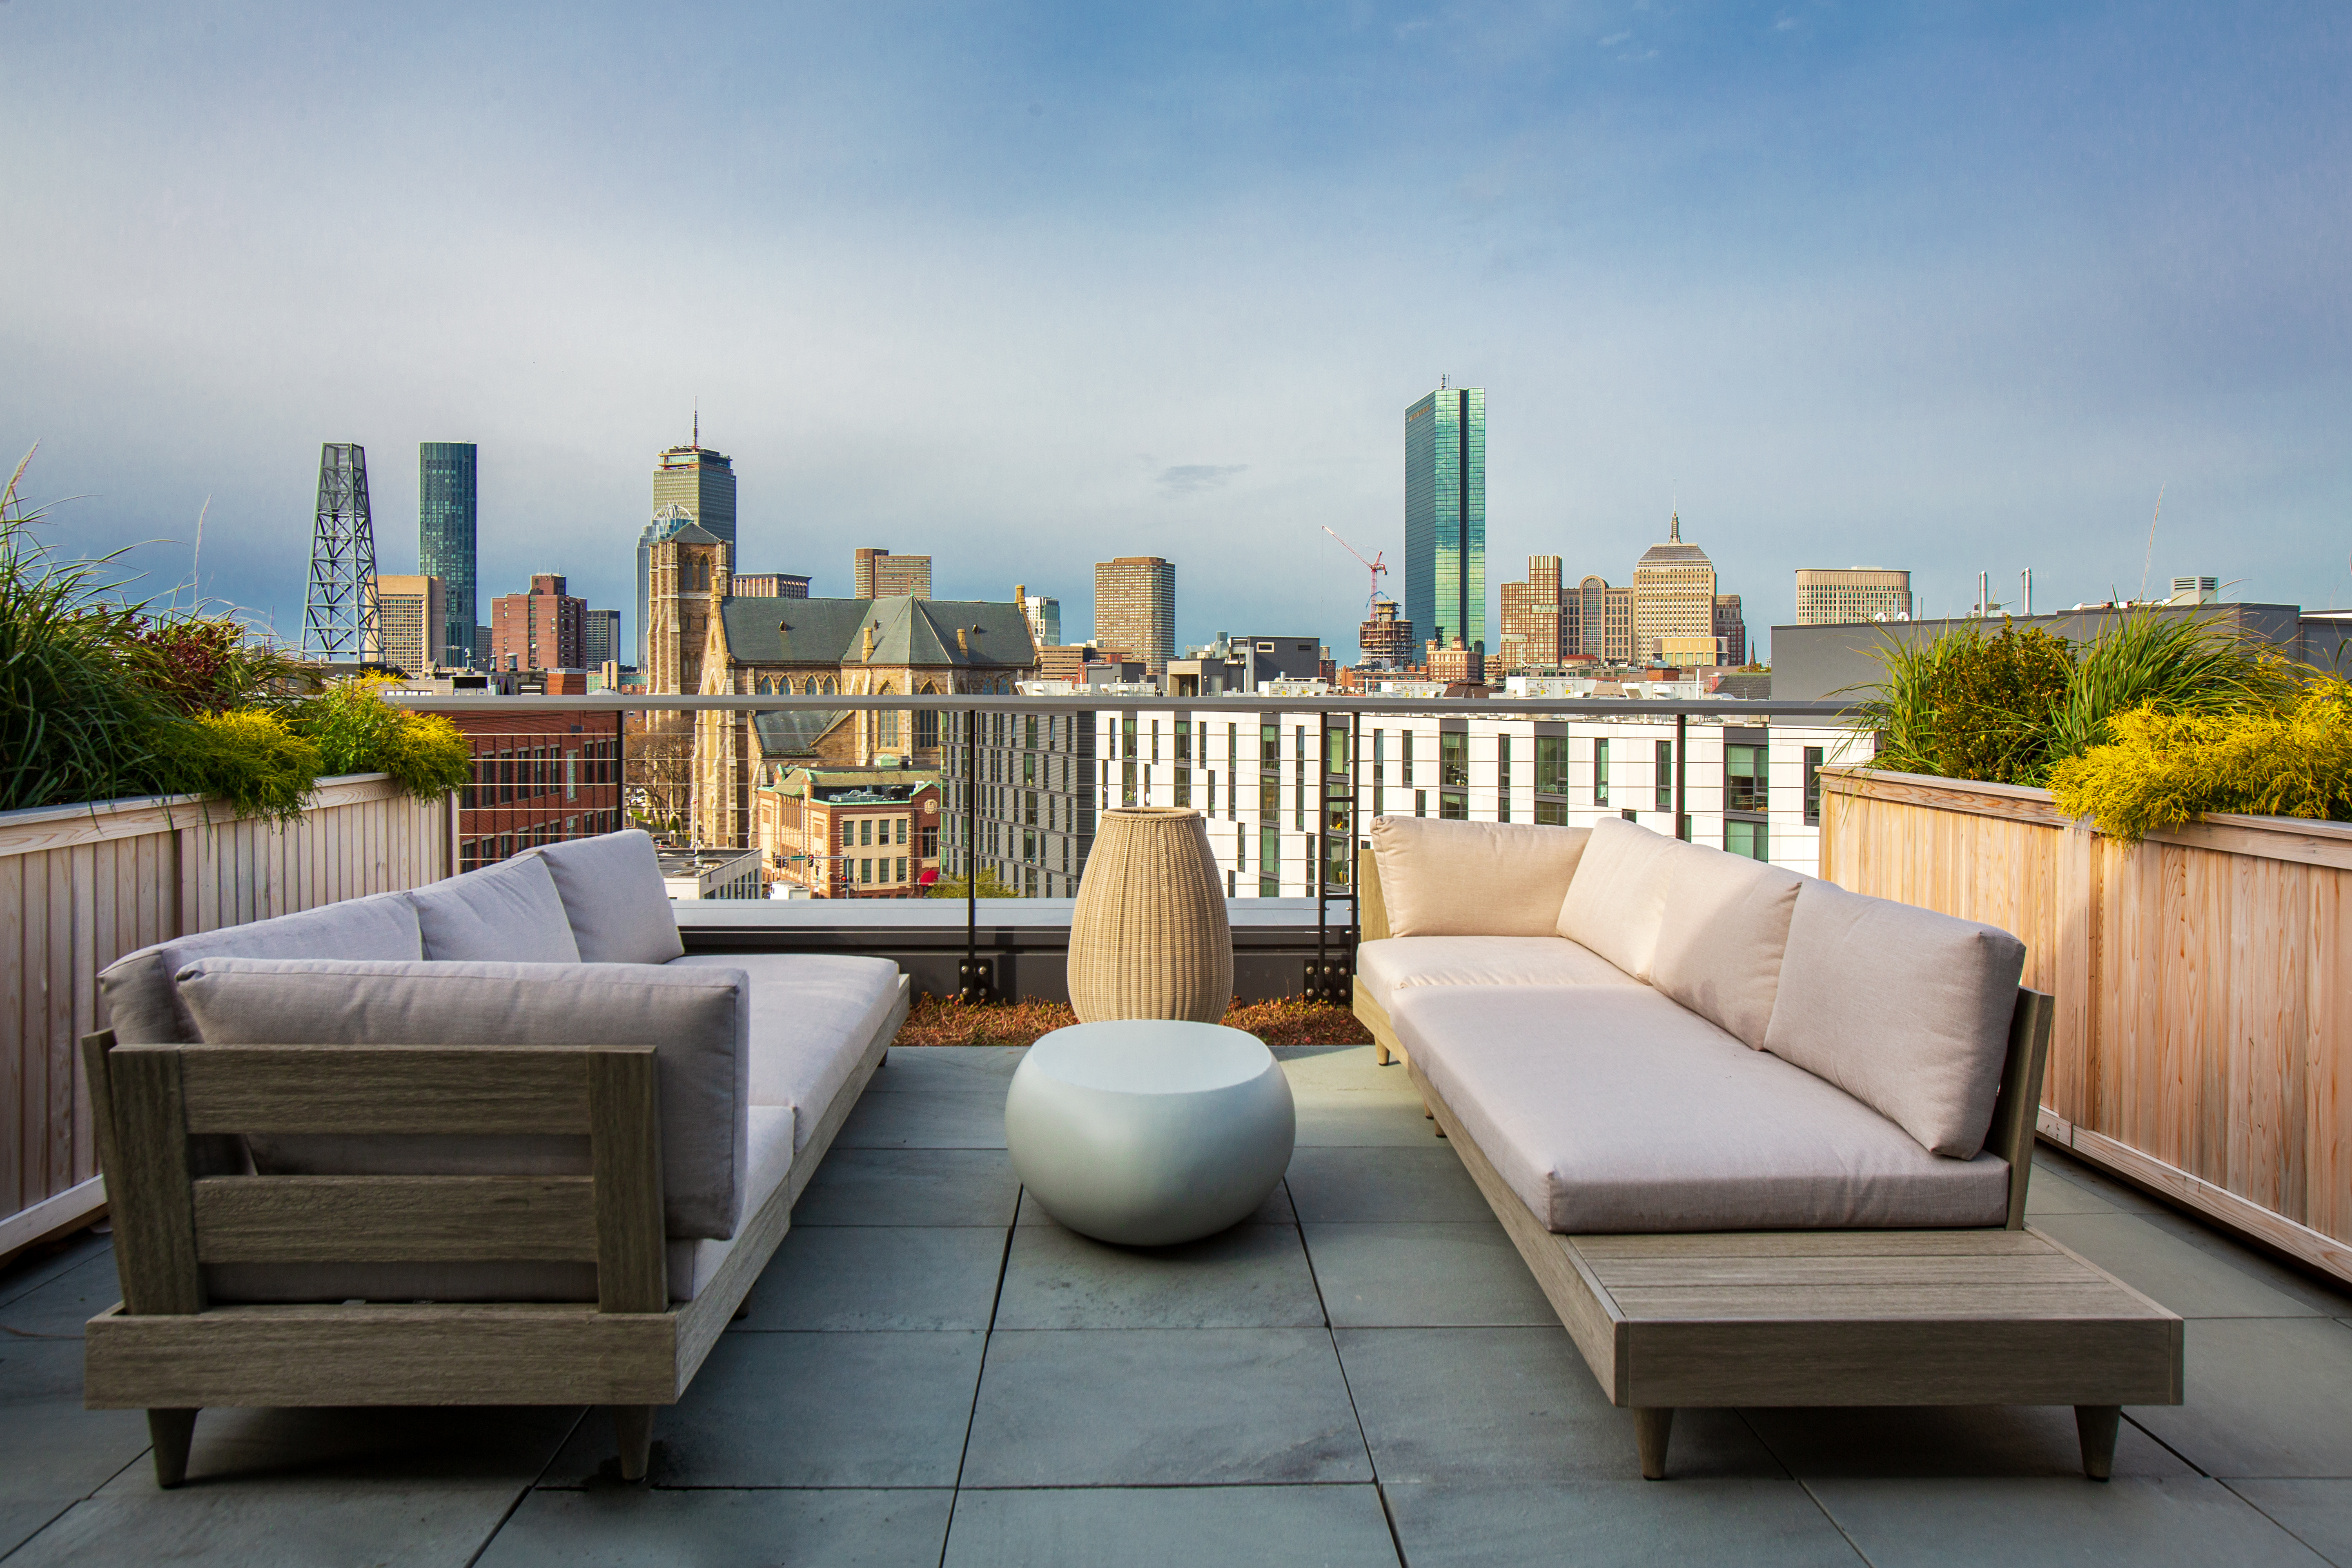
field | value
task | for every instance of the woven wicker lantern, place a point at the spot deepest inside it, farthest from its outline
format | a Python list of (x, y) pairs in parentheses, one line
[(1149, 939)]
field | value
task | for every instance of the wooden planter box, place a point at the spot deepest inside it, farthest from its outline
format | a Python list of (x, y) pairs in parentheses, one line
[(2203, 1040), (82, 885)]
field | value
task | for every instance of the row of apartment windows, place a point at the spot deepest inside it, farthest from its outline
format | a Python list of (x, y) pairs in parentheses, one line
[(490, 848), (860, 829), (511, 774)]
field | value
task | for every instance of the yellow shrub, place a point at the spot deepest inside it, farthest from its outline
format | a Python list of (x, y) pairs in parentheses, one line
[(248, 757), (2166, 768)]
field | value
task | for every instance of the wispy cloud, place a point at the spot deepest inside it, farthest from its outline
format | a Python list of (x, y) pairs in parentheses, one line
[(1613, 39), (1191, 478)]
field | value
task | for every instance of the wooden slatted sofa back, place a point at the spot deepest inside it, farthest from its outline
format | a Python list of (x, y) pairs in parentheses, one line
[(170, 1350)]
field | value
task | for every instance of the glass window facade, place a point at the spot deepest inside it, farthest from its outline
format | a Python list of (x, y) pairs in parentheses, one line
[(445, 519), (1445, 514)]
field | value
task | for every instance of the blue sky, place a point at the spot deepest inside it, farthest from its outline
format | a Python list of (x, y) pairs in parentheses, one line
[(1955, 288)]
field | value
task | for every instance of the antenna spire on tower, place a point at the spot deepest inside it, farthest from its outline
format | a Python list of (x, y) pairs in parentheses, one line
[(698, 423)]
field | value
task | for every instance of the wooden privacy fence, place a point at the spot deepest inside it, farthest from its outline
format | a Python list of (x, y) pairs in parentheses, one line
[(82, 885), (2203, 1040)]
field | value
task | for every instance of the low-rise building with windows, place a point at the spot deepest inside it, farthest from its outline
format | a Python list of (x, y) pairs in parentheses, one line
[(849, 833)]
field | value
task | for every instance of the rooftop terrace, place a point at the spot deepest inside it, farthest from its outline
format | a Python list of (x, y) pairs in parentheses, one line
[(932, 1372)]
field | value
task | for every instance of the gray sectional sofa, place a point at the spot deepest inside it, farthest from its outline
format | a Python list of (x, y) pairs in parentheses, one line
[(508, 1105), (1762, 1140)]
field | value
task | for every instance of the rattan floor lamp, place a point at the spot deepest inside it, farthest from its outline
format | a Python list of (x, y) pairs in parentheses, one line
[(1149, 939)]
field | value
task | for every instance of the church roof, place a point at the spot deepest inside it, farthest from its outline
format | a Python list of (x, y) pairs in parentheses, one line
[(795, 732), (907, 631)]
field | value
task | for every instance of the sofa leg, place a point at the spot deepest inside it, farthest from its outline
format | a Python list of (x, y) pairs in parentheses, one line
[(2096, 1426), (633, 1424), (171, 1431), (1651, 1430), (1380, 1056)]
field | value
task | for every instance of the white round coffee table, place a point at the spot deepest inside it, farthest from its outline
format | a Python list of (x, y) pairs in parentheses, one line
[(1147, 1132)]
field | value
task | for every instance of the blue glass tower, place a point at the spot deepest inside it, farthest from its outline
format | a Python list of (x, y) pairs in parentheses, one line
[(444, 539), (1445, 515)]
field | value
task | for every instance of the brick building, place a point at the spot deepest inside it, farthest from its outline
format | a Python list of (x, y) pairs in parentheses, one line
[(538, 630), (849, 833)]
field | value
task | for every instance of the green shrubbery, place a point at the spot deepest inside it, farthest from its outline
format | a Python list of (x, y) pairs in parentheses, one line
[(2145, 726), (101, 699)]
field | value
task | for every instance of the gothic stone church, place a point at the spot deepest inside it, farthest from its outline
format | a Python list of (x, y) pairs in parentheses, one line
[(702, 639)]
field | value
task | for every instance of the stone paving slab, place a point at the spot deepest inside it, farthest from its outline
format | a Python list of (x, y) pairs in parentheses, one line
[(1991, 1440), (2192, 1282), (1251, 1277), (630, 1527), (804, 1410), (870, 1277), (2267, 1397), (2182, 1522), (2317, 1513), (1766, 1524), (1171, 1527), (1164, 1407), (910, 1186), (280, 1524), (1455, 1274)]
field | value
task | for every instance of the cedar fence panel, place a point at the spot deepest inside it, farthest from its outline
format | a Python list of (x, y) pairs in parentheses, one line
[(82, 885), (2203, 1040)]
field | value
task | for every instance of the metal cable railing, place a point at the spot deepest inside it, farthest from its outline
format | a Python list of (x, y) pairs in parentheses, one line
[(1001, 790)]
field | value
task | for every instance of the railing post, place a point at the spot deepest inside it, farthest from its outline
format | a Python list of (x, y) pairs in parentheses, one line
[(973, 984), (1681, 742)]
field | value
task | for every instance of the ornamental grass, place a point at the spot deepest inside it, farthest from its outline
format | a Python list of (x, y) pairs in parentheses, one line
[(106, 698)]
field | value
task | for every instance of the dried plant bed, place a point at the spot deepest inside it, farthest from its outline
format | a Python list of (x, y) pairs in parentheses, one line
[(1286, 1021)]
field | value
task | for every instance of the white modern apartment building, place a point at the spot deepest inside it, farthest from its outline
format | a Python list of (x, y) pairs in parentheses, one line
[(1266, 781)]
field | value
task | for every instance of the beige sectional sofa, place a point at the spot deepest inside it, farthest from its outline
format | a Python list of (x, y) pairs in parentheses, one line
[(496, 1141), (1763, 1140)]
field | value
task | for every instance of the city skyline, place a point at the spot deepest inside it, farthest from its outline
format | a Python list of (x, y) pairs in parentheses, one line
[(1951, 289)]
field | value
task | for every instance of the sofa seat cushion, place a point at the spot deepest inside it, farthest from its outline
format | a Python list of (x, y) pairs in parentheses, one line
[(142, 1003), (1609, 1108), (1927, 1048), (614, 899), (1395, 963), (699, 1020), (812, 1016), (692, 1264), (506, 913), (1442, 878)]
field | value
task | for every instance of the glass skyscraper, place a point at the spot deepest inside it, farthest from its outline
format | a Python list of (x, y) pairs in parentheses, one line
[(444, 539), (1445, 515)]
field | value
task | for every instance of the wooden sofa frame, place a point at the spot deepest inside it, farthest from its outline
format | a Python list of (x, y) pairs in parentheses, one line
[(1997, 1315), (165, 1349)]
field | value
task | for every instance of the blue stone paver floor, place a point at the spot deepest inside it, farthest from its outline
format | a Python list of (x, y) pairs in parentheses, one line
[(934, 1373)]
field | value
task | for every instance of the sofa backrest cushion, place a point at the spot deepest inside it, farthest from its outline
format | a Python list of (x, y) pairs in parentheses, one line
[(1443, 878), (698, 1019), (1618, 894), (1721, 937), (506, 913), (1906, 1009), (614, 898), (143, 1008)]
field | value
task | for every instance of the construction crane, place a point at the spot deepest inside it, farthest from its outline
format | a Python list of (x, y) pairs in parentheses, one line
[(1376, 564)]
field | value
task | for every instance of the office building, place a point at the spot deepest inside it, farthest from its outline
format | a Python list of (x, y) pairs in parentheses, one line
[(1835, 596), (700, 480), (1445, 515), (1387, 638), (446, 529), (538, 630), (1044, 615), (846, 833), (1537, 625), (600, 638), (1135, 608), (879, 574), (1674, 594), (771, 585), (1604, 622), (1730, 628), (412, 624)]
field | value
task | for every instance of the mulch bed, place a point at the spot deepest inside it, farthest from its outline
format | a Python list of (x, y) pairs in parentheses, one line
[(1287, 1021)]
